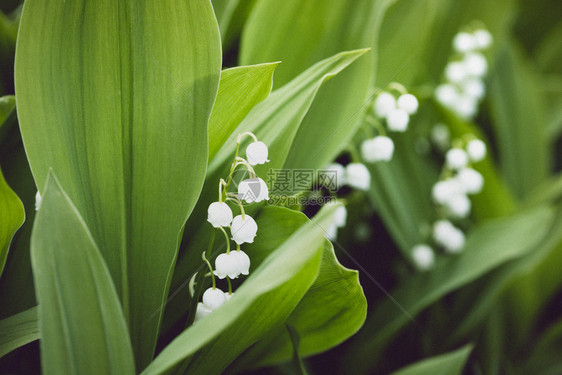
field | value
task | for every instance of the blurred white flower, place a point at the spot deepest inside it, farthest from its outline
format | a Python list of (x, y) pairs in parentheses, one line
[(376, 149), (458, 206), (474, 87), (38, 201), (464, 42), (447, 94), (475, 64), (471, 180), (243, 229), (408, 103), (397, 120), (448, 236), (340, 216), (384, 103), (443, 191), (257, 152), (358, 176), (456, 71), (476, 150), (483, 38), (456, 158), (465, 106), (332, 232), (423, 257), (339, 171), (219, 214), (253, 190)]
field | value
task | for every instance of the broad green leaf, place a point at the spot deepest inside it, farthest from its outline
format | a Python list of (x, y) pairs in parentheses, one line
[(445, 364), (315, 30), (333, 309), (297, 360), (80, 319), (118, 107), (519, 123), (18, 330), (240, 89), (13, 216), (262, 302), (488, 246)]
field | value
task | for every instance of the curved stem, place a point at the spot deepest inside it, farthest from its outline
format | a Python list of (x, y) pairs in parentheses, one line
[(240, 136), (227, 240), (234, 198), (376, 124), (398, 87), (210, 268)]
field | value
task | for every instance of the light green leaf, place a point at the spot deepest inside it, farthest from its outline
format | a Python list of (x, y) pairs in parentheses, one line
[(317, 29), (80, 319), (13, 216), (333, 309), (446, 364), (7, 105), (18, 330), (262, 302), (488, 246), (518, 119), (118, 106), (240, 89)]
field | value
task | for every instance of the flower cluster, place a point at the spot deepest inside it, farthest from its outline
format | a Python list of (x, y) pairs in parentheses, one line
[(451, 194), (243, 228), (464, 74), (395, 112)]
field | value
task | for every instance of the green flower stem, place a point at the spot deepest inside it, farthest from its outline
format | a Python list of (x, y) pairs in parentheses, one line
[(227, 240), (229, 285), (210, 268), (376, 124)]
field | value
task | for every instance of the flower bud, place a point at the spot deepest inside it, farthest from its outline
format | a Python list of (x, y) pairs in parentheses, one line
[(243, 229), (256, 152), (458, 206), (379, 148), (219, 214), (476, 150), (253, 190), (397, 120), (455, 71), (471, 180), (474, 88), (448, 236), (423, 257), (475, 64), (483, 38), (335, 170), (358, 176), (408, 103), (456, 158), (384, 103), (213, 298), (464, 42), (447, 94)]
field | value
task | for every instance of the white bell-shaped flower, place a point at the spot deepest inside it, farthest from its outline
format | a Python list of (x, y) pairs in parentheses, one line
[(227, 265), (253, 190), (384, 103), (243, 261), (219, 214), (458, 206), (358, 176), (474, 88), (257, 152), (443, 191), (213, 298), (38, 201), (334, 174), (471, 180), (448, 236), (447, 94), (476, 150), (228, 296), (340, 216), (423, 257), (483, 38), (408, 103), (464, 42), (475, 64), (397, 120), (456, 158), (376, 149), (332, 232), (243, 229), (201, 312), (456, 71), (466, 106)]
